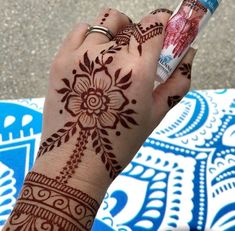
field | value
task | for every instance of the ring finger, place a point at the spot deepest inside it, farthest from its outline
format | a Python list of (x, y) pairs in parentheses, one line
[(112, 20)]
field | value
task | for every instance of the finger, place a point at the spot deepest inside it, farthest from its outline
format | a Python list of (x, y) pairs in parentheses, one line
[(111, 19), (168, 94), (75, 38), (148, 35)]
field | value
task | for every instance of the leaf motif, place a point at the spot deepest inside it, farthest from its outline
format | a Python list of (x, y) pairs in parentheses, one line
[(94, 135), (114, 161), (111, 47), (95, 143), (111, 52), (111, 155), (126, 78), (97, 60), (130, 120), (129, 112), (69, 124), (124, 87), (117, 73), (51, 147), (66, 139), (65, 97), (87, 61), (92, 66), (66, 82), (83, 68), (106, 140), (45, 150), (59, 143), (104, 132), (103, 158), (74, 131), (123, 123), (50, 140), (108, 147), (107, 166), (63, 90), (44, 144), (98, 149), (119, 168), (118, 48), (109, 60), (55, 135), (62, 130)]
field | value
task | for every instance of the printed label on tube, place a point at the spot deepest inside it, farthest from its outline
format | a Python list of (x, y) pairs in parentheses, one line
[(182, 29)]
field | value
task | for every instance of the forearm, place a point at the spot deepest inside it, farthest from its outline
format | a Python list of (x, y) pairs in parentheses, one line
[(48, 203)]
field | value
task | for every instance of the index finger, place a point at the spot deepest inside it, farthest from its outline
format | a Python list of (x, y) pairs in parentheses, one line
[(148, 35)]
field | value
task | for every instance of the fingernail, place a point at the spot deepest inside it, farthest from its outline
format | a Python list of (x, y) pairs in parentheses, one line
[(127, 17), (193, 51)]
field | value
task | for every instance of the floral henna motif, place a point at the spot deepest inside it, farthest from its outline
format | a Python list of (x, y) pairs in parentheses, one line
[(140, 33), (46, 204), (173, 100), (96, 101), (186, 70)]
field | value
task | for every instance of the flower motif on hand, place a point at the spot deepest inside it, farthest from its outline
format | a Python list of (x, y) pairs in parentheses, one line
[(96, 101)]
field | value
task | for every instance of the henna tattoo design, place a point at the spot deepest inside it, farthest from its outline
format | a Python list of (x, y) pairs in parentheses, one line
[(96, 101), (185, 69), (104, 18), (140, 33), (75, 158), (46, 204), (183, 27), (162, 11), (173, 100)]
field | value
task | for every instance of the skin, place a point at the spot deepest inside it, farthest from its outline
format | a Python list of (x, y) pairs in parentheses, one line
[(95, 118)]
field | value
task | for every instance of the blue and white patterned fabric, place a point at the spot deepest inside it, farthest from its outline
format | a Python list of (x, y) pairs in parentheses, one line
[(182, 178)]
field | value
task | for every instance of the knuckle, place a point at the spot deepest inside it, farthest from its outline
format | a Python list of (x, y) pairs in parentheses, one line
[(149, 19)]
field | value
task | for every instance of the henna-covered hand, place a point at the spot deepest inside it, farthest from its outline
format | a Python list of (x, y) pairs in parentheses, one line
[(101, 105)]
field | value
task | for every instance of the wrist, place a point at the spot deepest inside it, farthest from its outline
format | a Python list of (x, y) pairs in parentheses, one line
[(89, 176)]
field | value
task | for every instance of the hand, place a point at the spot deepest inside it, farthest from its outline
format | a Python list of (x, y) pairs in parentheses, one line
[(100, 107)]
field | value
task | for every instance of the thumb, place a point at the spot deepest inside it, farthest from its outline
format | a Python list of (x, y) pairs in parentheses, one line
[(168, 94)]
